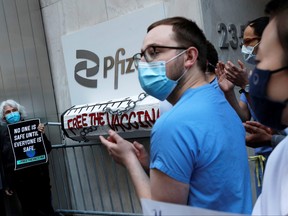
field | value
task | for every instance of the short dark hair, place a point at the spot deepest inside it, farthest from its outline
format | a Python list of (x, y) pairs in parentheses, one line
[(187, 34), (275, 6), (278, 9), (212, 57), (259, 25)]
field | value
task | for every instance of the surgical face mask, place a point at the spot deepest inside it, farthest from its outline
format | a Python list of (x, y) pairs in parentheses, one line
[(153, 79), (268, 112), (248, 55), (13, 117)]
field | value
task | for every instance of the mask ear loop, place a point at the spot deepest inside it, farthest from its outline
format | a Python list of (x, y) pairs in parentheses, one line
[(182, 75), (278, 70), (257, 44), (179, 54), (186, 69), (254, 47)]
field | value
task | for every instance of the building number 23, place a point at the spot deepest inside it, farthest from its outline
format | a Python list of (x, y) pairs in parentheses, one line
[(229, 36)]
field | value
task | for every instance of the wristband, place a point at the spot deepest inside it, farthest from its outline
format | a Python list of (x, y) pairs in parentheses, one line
[(245, 90)]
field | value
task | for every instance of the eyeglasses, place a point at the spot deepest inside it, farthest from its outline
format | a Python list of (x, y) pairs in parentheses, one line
[(150, 53), (247, 41)]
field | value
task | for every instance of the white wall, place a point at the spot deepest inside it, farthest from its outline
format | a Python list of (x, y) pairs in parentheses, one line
[(66, 16)]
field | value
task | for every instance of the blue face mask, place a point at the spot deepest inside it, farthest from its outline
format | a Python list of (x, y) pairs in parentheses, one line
[(13, 117), (247, 52), (153, 79), (268, 112)]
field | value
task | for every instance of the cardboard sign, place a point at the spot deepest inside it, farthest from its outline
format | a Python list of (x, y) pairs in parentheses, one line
[(156, 208), (27, 144)]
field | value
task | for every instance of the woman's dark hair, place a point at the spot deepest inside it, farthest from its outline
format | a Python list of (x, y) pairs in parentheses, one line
[(259, 25), (187, 34)]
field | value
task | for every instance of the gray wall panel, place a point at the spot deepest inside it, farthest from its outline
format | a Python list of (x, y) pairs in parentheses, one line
[(32, 64), (6, 64), (24, 65), (25, 71), (42, 59), (17, 52)]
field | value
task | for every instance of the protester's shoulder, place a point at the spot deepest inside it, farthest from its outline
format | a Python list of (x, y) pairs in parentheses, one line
[(210, 94), (204, 89)]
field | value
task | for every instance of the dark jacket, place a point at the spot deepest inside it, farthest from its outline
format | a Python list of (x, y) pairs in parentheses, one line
[(10, 176)]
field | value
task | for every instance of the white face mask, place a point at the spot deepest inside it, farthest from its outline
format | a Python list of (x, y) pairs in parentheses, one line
[(248, 55)]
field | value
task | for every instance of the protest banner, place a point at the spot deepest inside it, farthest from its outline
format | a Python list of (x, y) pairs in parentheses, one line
[(27, 144)]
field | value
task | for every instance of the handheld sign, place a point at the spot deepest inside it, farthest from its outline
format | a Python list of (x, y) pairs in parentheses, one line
[(156, 208), (27, 144)]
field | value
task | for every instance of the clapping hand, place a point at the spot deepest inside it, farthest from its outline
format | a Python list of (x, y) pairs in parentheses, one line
[(239, 76), (259, 135)]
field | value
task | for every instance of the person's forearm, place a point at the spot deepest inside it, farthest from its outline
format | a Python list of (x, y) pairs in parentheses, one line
[(139, 178), (231, 98)]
